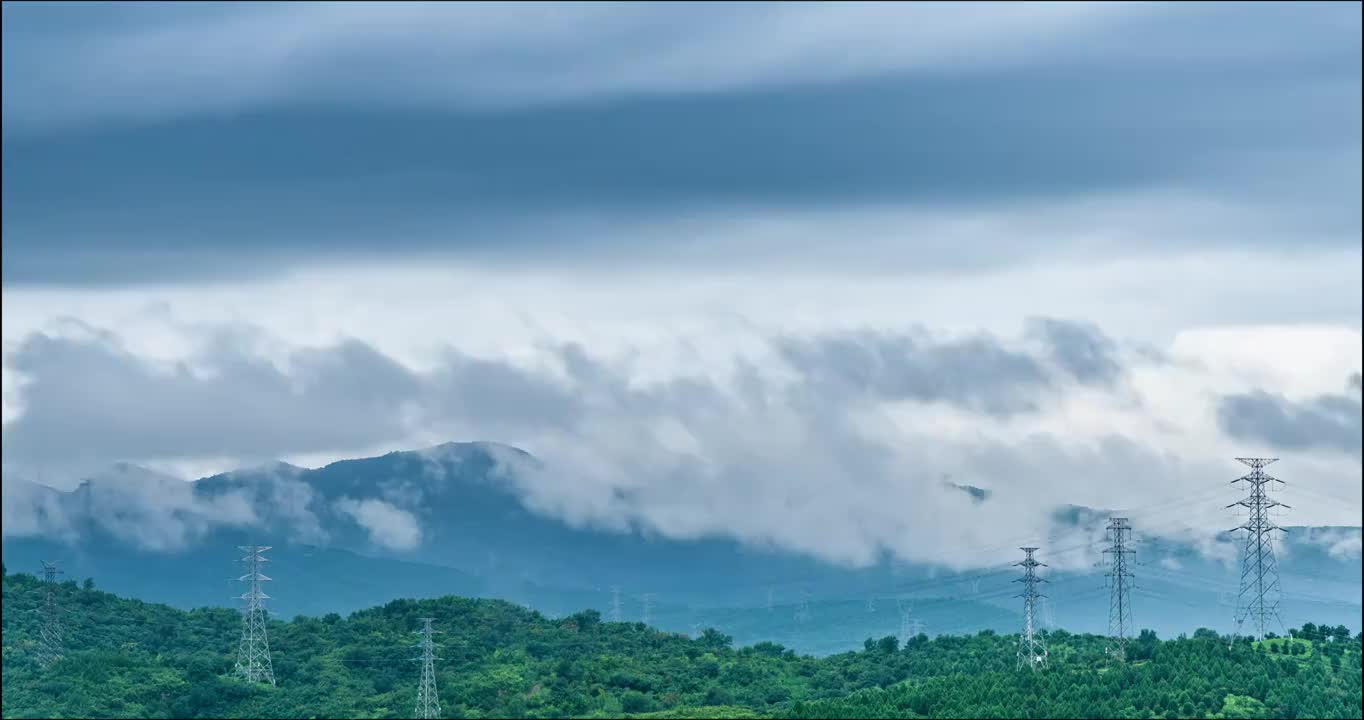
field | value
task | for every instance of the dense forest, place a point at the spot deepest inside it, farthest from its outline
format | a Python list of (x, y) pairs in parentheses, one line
[(126, 658)]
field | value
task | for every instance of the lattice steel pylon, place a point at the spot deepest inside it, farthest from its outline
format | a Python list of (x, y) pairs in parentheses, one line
[(803, 609), (1031, 650), (1258, 599), (253, 651), (50, 635), (648, 610), (907, 626), (615, 604), (428, 700), (1119, 586)]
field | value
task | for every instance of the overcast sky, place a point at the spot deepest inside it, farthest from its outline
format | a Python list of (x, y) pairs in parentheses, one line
[(761, 271)]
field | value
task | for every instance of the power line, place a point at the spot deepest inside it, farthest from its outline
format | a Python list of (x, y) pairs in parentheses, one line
[(1030, 648), (1259, 596), (428, 700), (253, 652)]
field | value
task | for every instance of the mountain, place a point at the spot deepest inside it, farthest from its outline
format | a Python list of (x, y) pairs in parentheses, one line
[(449, 519)]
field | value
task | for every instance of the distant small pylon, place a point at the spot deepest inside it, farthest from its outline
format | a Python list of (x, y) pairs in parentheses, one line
[(648, 601), (906, 627), (803, 610), (615, 603), (50, 636)]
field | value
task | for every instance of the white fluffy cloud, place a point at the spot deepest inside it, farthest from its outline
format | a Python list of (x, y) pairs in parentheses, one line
[(388, 526)]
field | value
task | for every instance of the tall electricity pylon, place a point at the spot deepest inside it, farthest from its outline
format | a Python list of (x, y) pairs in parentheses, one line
[(1258, 599), (50, 636), (253, 651), (906, 629), (428, 700), (615, 603), (1031, 651), (769, 598), (1119, 586)]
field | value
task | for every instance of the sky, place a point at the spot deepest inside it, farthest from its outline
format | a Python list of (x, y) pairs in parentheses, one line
[(772, 272)]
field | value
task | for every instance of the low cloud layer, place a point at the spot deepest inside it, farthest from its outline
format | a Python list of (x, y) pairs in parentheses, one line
[(835, 447), (87, 397), (388, 526), (1330, 421)]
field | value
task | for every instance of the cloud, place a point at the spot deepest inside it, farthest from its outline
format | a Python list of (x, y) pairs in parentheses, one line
[(1126, 153), (1340, 543), (90, 392), (687, 456), (974, 373), (1330, 421), (388, 526), (831, 444), (1081, 349), (147, 509), (119, 63), (230, 403)]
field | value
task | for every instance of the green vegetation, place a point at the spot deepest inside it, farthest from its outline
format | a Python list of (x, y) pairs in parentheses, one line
[(132, 659)]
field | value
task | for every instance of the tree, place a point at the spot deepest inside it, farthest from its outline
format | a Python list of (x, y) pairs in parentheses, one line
[(89, 584)]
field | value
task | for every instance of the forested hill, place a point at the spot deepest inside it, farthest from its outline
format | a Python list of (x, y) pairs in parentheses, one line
[(126, 658)]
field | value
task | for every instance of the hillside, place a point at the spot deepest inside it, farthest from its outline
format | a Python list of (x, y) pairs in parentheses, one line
[(478, 539), (126, 658)]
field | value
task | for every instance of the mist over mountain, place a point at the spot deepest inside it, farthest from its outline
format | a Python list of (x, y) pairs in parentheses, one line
[(450, 520)]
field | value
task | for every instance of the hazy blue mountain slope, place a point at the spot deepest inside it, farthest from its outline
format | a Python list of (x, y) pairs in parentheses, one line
[(478, 539)]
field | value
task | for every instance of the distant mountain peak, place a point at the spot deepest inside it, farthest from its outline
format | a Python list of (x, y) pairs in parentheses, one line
[(487, 446), (123, 472)]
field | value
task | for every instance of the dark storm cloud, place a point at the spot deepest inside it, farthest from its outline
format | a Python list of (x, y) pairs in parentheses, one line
[(1327, 421), (274, 183)]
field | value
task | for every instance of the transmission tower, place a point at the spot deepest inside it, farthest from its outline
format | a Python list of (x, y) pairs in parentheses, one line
[(871, 603), (769, 598), (1119, 586), (253, 652), (615, 603), (50, 636), (428, 701), (906, 630), (648, 600), (1258, 599), (1030, 648), (803, 610)]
